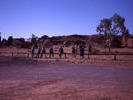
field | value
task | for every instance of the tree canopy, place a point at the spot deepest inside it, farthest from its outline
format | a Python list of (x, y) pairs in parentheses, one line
[(112, 26), (10, 40)]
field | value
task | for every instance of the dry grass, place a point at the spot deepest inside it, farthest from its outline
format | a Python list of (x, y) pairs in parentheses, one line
[(60, 88), (57, 89), (124, 60)]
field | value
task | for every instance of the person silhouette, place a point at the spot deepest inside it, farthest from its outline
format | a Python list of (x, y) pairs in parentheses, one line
[(73, 51), (61, 51), (33, 51), (38, 52), (82, 51), (89, 48), (51, 52), (43, 51)]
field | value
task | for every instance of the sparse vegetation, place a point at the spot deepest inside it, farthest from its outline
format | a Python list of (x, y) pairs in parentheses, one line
[(111, 27)]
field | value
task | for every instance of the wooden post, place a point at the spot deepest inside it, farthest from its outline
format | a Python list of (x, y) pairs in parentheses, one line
[(17, 53), (115, 56), (12, 53), (65, 56), (88, 56), (28, 55)]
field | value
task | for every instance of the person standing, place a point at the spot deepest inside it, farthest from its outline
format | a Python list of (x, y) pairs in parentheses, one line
[(89, 48), (51, 52), (61, 51), (43, 51), (33, 51), (38, 52), (82, 51), (73, 51)]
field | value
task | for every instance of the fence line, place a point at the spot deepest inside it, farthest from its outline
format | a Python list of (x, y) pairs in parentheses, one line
[(28, 54)]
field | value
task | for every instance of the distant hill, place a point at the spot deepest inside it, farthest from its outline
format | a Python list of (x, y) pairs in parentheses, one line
[(96, 39), (70, 40)]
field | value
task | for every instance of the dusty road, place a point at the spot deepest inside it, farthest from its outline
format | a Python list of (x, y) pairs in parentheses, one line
[(22, 78)]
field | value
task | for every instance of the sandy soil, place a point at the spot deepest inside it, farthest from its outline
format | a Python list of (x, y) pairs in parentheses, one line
[(26, 79)]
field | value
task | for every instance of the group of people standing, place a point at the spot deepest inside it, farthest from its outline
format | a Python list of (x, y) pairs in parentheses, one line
[(42, 51), (81, 50)]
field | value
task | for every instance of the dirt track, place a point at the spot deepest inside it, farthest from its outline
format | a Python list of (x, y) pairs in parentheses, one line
[(25, 79)]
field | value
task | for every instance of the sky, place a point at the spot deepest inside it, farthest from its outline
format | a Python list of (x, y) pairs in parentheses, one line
[(22, 18)]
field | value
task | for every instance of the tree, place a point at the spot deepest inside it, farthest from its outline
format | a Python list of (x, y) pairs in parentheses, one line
[(118, 25), (34, 40), (4, 42), (10, 40), (110, 27), (105, 28)]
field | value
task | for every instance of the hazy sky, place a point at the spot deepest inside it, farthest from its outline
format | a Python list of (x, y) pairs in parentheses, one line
[(21, 18)]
